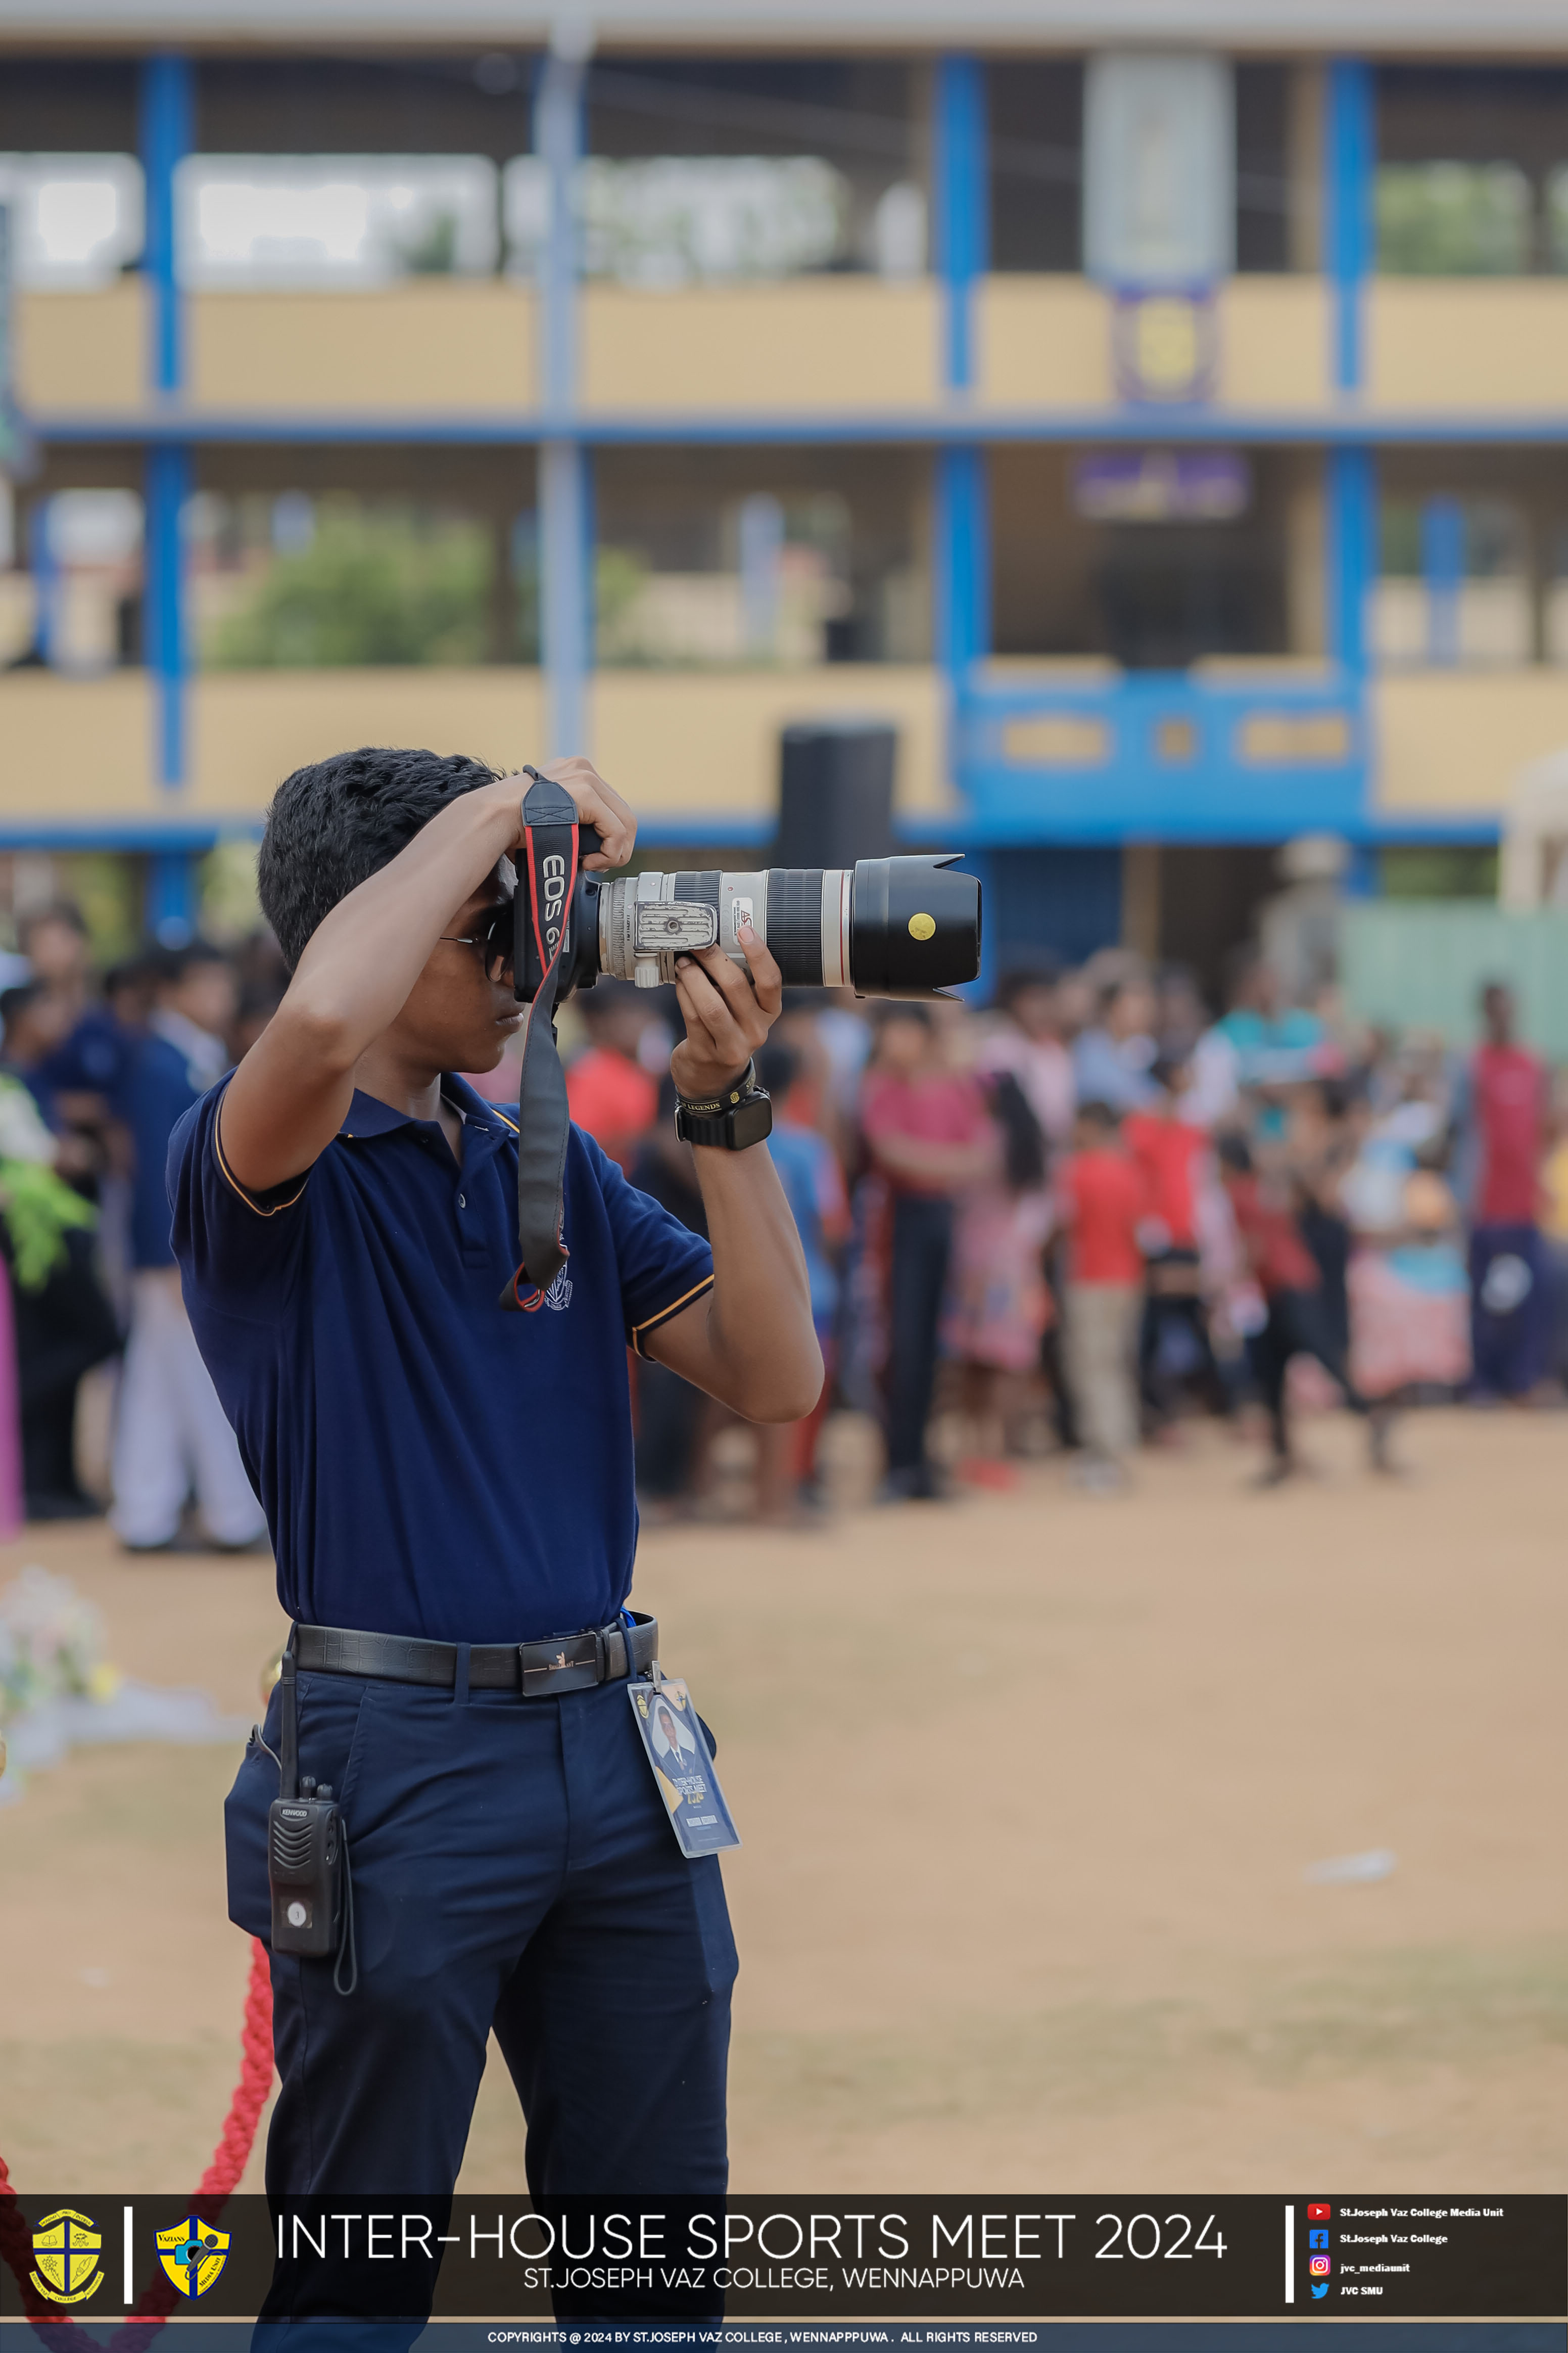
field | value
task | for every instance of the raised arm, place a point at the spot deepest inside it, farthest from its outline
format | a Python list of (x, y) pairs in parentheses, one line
[(289, 1097), (751, 1342)]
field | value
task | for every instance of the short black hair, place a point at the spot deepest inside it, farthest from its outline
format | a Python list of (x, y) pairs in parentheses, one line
[(14, 1002), (166, 967), (778, 1066), (334, 824), (1019, 978), (1097, 1112)]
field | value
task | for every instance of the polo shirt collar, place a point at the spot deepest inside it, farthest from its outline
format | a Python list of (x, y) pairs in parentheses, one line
[(367, 1116)]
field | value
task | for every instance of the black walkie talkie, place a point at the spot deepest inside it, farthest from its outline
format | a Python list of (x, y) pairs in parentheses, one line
[(306, 1854)]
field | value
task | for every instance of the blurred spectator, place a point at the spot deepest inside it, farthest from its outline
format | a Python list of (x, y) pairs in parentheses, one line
[(1100, 1205), (673, 1418), (37, 1023), (1112, 1060), (611, 1095), (1000, 1304), (1511, 1319), (813, 1185), (1259, 1042), (1170, 1156), (89, 1060), (1287, 1275), (1409, 1292), (1026, 1041), (928, 1133), (172, 1433), (63, 1324)]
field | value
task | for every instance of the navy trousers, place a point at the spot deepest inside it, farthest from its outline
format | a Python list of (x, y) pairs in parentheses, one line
[(513, 1866), (1510, 1309)]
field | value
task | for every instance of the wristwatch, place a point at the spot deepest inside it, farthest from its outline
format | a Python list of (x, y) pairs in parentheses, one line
[(742, 1115)]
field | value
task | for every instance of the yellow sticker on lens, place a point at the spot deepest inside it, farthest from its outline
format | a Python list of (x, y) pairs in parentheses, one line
[(921, 926)]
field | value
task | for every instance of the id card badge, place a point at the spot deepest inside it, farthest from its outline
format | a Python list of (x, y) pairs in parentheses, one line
[(682, 1767)]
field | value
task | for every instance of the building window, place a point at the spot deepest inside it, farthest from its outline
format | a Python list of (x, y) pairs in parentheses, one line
[(1471, 171), (70, 573), (705, 169), (311, 559), (760, 558), (1154, 559)]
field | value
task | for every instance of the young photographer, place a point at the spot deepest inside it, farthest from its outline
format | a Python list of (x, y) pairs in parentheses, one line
[(452, 1484)]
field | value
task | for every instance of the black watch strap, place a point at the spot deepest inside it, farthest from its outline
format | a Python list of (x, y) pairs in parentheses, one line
[(742, 1115)]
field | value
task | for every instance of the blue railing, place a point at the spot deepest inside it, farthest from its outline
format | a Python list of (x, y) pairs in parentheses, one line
[(1164, 756)]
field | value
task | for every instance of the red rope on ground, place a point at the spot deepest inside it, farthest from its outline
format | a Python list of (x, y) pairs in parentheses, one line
[(217, 2184)]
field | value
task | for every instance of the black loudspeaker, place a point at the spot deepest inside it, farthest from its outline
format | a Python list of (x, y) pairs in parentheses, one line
[(835, 792)]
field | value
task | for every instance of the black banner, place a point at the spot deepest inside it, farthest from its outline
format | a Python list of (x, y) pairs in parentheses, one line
[(794, 2259)]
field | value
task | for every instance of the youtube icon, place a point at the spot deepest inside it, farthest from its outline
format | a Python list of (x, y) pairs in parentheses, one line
[(1316, 2214)]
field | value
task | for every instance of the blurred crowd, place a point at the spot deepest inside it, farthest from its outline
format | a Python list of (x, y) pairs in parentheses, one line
[(1084, 1215), (1078, 1219)]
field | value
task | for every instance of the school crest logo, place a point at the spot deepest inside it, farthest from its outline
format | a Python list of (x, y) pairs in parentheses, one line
[(66, 2248), (559, 1294), (192, 2254)]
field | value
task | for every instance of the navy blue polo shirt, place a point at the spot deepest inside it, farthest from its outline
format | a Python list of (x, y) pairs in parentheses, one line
[(429, 1464)]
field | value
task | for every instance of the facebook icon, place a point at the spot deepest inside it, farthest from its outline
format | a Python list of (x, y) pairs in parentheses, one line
[(1316, 2238)]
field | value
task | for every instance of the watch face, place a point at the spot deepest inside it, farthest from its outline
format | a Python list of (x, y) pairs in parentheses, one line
[(752, 1121)]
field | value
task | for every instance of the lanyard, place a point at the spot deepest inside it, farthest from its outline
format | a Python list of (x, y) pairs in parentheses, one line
[(543, 908)]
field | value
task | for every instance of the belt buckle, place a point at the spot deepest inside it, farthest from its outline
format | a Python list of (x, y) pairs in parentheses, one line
[(567, 1662)]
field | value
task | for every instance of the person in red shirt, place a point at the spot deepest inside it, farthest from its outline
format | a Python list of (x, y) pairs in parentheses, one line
[(1287, 1275), (929, 1136), (612, 1098), (1101, 1204), (1172, 1154), (1510, 1308)]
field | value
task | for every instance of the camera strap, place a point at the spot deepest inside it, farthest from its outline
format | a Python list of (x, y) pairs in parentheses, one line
[(547, 877)]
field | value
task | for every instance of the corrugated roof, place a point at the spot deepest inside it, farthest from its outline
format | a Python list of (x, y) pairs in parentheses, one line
[(1479, 27)]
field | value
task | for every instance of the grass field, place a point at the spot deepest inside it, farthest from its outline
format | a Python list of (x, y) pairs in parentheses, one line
[(1028, 1787)]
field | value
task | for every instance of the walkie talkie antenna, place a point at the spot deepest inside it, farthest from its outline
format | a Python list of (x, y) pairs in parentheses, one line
[(287, 1732)]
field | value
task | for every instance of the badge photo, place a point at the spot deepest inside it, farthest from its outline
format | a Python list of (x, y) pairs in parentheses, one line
[(683, 1771)]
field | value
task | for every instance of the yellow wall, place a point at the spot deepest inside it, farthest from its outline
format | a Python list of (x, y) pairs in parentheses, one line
[(1451, 741), (1043, 343), (1463, 343), (806, 343), (249, 728), (1273, 343), (77, 352), (75, 748), (426, 343), (675, 741), (815, 343)]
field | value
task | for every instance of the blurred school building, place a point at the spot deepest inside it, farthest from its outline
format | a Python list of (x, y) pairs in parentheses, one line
[(1173, 446)]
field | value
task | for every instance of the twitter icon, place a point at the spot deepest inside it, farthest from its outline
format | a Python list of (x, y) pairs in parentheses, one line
[(1320, 2287)]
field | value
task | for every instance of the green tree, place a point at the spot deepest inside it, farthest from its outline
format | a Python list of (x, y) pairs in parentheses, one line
[(381, 586)]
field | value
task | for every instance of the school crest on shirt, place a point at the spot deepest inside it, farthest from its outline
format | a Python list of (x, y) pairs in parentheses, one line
[(559, 1294)]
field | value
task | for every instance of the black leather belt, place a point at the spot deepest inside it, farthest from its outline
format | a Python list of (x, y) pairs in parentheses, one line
[(566, 1663)]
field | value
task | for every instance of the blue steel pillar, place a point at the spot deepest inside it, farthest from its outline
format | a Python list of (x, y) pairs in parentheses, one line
[(565, 510), (961, 207), (172, 900), (1443, 575), (961, 534), (1349, 166), (167, 135), (167, 131)]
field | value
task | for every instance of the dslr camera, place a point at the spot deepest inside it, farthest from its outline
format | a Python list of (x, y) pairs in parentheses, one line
[(884, 927)]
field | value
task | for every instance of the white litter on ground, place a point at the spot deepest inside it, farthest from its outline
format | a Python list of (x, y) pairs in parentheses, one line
[(58, 1692), (1351, 1869)]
